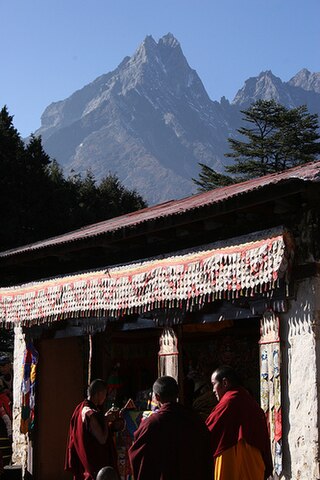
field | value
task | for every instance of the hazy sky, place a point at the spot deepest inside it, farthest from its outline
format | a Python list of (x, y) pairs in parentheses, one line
[(50, 48)]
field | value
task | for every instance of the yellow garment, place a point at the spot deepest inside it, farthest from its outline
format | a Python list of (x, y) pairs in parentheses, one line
[(241, 462)]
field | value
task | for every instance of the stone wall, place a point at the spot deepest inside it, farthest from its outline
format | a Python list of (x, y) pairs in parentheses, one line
[(300, 380)]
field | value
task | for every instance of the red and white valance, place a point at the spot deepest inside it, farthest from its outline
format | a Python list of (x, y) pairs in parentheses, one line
[(182, 280)]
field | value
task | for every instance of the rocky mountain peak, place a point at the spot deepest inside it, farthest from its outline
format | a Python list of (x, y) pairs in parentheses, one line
[(149, 41), (149, 49), (267, 74), (265, 86), (151, 122), (161, 66), (304, 73), (146, 48), (169, 40), (171, 51), (306, 80)]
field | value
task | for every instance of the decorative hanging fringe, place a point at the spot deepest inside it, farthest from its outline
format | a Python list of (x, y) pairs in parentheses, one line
[(179, 281)]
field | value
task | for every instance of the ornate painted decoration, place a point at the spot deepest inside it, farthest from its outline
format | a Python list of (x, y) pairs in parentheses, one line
[(180, 281)]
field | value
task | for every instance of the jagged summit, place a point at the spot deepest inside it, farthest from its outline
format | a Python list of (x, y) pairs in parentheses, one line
[(151, 121), (265, 85), (306, 80), (151, 116), (303, 76), (153, 67), (169, 40), (149, 40), (300, 90), (147, 47), (162, 64)]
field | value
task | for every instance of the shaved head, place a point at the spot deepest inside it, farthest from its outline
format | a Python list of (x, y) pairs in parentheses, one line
[(166, 388)]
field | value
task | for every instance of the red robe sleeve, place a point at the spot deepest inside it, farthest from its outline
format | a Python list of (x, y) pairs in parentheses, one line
[(144, 453)]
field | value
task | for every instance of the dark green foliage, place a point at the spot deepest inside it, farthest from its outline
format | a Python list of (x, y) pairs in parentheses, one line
[(116, 199), (91, 203), (277, 139), (37, 201), (11, 152), (209, 178)]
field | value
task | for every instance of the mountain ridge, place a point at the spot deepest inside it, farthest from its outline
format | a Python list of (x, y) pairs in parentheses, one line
[(151, 121)]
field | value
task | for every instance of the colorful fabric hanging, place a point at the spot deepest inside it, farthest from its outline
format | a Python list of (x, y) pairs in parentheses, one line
[(28, 386), (124, 438), (270, 385)]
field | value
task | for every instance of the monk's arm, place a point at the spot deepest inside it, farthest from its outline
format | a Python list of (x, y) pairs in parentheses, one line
[(218, 422), (144, 454), (100, 433)]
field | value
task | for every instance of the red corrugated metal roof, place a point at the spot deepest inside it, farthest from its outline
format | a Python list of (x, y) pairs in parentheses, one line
[(309, 172)]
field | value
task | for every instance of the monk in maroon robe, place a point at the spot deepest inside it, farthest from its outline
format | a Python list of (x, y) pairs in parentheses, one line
[(173, 443), (90, 444), (238, 429)]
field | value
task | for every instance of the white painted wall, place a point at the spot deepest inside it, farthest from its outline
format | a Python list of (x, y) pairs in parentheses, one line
[(300, 375), (20, 441)]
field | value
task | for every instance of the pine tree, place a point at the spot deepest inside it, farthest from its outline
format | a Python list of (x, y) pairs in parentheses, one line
[(115, 199), (254, 157), (277, 139), (209, 177), (37, 201), (11, 157), (35, 190)]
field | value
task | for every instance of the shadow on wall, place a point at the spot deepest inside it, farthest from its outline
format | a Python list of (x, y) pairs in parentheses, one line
[(285, 380)]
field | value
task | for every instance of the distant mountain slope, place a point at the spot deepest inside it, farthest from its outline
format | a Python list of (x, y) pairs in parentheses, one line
[(151, 120), (300, 90)]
